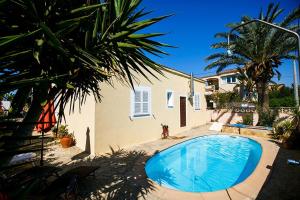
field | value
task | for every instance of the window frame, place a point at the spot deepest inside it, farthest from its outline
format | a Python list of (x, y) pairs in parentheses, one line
[(230, 78), (173, 100), (132, 102)]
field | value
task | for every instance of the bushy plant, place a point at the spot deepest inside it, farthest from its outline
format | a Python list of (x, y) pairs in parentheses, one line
[(283, 92), (62, 131), (282, 102), (267, 118), (248, 119), (284, 129), (288, 130), (225, 99), (283, 97)]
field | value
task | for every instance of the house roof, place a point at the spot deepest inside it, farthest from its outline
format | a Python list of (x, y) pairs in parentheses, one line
[(229, 71), (180, 73)]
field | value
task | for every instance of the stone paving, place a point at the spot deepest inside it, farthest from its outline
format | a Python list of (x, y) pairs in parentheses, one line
[(122, 176)]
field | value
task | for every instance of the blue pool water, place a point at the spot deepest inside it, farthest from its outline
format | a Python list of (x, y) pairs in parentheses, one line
[(239, 125), (205, 164)]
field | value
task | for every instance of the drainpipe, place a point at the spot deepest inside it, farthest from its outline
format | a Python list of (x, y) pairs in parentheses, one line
[(192, 85), (295, 83)]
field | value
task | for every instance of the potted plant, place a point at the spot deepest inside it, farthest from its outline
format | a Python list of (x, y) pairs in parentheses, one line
[(288, 130), (165, 133), (66, 139), (284, 131)]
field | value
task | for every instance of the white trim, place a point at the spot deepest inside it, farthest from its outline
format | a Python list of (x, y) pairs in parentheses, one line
[(132, 101), (198, 109), (224, 82), (173, 99)]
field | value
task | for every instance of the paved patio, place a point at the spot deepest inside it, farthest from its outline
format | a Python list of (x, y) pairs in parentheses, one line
[(122, 175)]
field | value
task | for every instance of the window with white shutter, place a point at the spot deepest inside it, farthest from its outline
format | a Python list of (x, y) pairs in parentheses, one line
[(170, 99), (140, 102), (197, 101)]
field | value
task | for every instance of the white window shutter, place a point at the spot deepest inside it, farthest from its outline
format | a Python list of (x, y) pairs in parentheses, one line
[(145, 102), (140, 102), (197, 101), (137, 102)]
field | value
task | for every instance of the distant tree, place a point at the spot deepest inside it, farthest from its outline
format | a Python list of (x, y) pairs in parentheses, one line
[(282, 98), (74, 45), (259, 49)]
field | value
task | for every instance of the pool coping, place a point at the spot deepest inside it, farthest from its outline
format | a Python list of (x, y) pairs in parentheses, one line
[(248, 189)]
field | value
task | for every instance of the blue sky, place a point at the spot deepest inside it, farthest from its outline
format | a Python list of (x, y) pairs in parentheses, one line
[(194, 24)]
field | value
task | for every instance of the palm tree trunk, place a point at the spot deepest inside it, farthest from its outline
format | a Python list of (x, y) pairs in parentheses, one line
[(263, 99), (263, 95)]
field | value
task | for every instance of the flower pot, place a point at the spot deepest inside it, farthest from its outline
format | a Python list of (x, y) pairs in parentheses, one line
[(66, 142), (165, 133), (286, 144)]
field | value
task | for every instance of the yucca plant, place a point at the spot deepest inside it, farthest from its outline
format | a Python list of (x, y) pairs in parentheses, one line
[(65, 49), (288, 129), (258, 49)]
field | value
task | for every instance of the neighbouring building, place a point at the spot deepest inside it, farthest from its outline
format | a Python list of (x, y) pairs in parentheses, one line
[(125, 117), (225, 81)]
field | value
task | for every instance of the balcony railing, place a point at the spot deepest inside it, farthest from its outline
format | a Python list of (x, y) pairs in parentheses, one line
[(210, 88)]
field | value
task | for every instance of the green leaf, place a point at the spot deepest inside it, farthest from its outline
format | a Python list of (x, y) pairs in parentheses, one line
[(39, 42), (50, 34), (87, 8), (141, 36), (43, 102), (96, 25), (12, 38), (15, 54), (36, 56), (126, 45), (70, 86)]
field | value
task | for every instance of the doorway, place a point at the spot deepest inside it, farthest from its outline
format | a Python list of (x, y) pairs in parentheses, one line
[(182, 111)]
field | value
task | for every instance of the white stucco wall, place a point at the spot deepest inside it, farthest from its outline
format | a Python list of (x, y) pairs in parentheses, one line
[(115, 127), (82, 123)]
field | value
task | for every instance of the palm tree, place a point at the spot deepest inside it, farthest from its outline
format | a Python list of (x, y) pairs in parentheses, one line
[(259, 49), (246, 84), (65, 49)]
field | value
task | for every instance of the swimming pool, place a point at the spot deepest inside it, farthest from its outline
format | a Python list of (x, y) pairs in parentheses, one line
[(205, 164), (238, 125), (250, 127)]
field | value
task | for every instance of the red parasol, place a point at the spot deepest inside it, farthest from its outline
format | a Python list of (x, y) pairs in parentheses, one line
[(47, 119)]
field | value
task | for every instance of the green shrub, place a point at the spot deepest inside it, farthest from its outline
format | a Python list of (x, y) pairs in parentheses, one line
[(267, 118), (282, 102), (224, 99), (284, 129), (248, 119)]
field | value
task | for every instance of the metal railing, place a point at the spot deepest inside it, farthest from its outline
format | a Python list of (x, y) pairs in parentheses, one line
[(12, 126)]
